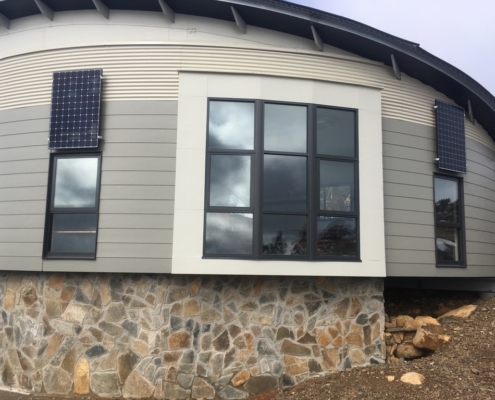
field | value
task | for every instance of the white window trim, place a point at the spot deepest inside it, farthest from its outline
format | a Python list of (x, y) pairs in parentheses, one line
[(194, 91)]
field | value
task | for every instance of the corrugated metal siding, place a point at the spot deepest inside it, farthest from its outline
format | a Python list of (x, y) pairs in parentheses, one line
[(137, 188), (149, 72)]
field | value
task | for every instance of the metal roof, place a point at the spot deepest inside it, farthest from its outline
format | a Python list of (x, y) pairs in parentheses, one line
[(294, 19)]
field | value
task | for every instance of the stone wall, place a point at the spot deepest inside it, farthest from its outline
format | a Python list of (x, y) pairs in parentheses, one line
[(182, 336)]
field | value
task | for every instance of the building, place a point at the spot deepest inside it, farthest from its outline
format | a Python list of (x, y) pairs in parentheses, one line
[(262, 167)]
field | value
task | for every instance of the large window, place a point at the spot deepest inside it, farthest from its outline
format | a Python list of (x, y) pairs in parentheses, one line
[(449, 232), (72, 210), (281, 181)]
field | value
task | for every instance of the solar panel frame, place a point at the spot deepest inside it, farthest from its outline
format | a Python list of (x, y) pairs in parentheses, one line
[(75, 109), (451, 137)]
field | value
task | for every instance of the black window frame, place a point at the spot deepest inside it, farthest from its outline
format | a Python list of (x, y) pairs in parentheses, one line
[(460, 225), (312, 183), (51, 210)]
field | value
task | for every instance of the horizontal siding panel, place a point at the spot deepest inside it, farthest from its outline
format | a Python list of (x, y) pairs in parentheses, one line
[(23, 193), (117, 265), (140, 136), (404, 190), (408, 153), (23, 222), (140, 108), (134, 250), (478, 202), (134, 235), (409, 230), (137, 178), (24, 153), (25, 127), (404, 203), (408, 177), (23, 180), (409, 217), (135, 221), (22, 207), (480, 248), (399, 164), (123, 192), (139, 122), (21, 263), (22, 114), (21, 235), (400, 126), (416, 142), (139, 150), (479, 214), (410, 256), (137, 207), (480, 236), (478, 190), (409, 243), (480, 225), (21, 249), (137, 163), (481, 260), (23, 167)]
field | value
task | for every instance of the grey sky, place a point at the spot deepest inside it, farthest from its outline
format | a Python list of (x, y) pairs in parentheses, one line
[(460, 32)]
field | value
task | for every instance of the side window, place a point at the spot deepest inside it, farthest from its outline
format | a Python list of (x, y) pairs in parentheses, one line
[(72, 210), (449, 222)]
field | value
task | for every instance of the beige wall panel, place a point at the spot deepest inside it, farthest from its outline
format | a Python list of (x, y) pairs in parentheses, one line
[(480, 248), (134, 235), (404, 190), (21, 235), (134, 250), (135, 121), (140, 136), (23, 140), (137, 178), (409, 217), (137, 163), (24, 115), (26, 222), (22, 207), (408, 153), (24, 153), (21, 263), (122, 192), (408, 178), (138, 149), (23, 180), (411, 256), (476, 236), (137, 207), (409, 230), (40, 125), (409, 243), (114, 265), (409, 141), (20, 249), (25, 166), (135, 221), (404, 203), (24, 193)]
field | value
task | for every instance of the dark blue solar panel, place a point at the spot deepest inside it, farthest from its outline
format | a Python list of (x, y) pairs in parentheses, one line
[(75, 116), (451, 139)]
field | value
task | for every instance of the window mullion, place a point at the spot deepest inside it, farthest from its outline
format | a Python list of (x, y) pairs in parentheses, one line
[(312, 183)]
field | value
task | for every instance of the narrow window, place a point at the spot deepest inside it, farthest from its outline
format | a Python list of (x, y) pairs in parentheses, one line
[(449, 232), (72, 210)]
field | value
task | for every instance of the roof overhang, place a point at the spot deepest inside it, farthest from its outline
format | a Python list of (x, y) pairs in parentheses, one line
[(297, 20)]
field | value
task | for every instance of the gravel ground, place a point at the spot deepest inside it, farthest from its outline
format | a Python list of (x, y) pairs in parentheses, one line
[(463, 369)]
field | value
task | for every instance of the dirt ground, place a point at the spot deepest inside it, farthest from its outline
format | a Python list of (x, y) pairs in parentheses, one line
[(463, 369)]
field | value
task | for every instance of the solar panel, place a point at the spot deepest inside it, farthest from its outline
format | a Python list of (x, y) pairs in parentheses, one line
[(451, 140), (75, 114)]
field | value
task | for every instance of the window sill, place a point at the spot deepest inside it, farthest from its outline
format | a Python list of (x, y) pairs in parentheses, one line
[(69, 257), (451, 266)]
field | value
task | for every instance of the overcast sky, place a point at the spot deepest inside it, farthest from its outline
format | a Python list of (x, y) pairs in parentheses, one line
[(461, 32)]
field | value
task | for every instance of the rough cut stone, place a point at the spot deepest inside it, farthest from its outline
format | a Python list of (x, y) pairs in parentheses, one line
[(430, 337), (55, 282), (261, 384), (191, 308), (174, 391), (140, 347), (56, 380), (295, 366), (229, 393), (330, 359), (408, 351), (125, 364), (81, 377), (53, 344), (222, 342), (294, 349), (179, 340), (462, 312), (75, 313), (137, 387), (96, 351), (115, 312), (340, 308), (241, 378), (355, 308), (413, 378), (105, 384), (201, 389)]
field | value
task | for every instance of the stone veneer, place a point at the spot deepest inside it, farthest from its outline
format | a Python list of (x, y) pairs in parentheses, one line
[(183, 336)]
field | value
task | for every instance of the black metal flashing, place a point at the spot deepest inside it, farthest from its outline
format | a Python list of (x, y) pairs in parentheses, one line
[(296, 20)]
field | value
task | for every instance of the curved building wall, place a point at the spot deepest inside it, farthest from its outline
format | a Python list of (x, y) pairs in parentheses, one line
[(141, 54)]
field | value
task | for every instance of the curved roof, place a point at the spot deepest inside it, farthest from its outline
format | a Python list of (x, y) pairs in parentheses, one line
[(294, 19)]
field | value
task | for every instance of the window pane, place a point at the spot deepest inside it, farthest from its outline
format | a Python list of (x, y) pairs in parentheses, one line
[(229, 233), (446, 200), (230, 181), (336, 236), (284, 235), (447, 244), (285, 128), (284, 187), (336, 186), (231, 125), (75, 182), (335, 132), (74, 233)]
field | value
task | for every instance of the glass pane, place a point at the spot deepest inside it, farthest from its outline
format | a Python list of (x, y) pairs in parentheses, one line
[(446, 200), (231, 125), (336, 186), (447, 244), (229, 233), (285, 128), (75, 182), (284, 235), (230, 181), (74, 233), (336, 236), (284, 187), (335, 132)]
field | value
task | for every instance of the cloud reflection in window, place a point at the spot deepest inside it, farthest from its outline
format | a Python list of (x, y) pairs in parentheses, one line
[(75, 182)]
